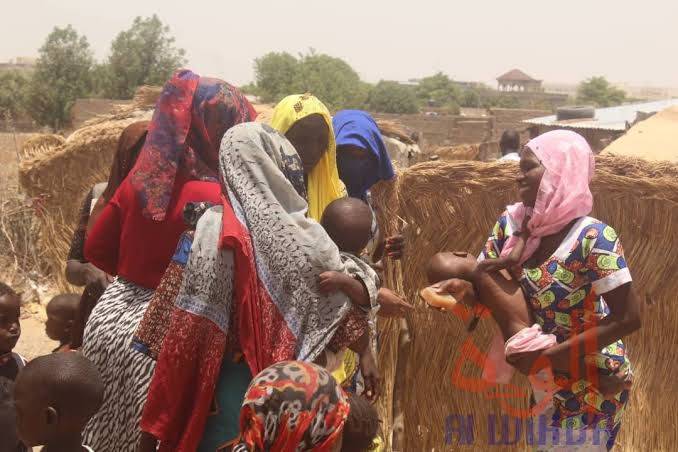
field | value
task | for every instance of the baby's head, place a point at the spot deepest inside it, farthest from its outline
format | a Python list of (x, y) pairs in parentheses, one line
[(55, 396), (348, 222), (10, 442), (10, 310), (61, 312), (362, 425), (448, 265)]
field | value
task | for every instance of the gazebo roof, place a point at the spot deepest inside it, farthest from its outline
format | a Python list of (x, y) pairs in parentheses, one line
[(516, 75)]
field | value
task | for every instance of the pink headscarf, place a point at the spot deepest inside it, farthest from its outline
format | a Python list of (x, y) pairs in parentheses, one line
[(564, 193)]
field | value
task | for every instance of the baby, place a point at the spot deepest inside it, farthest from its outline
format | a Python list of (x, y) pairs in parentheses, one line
[(503, 296), (10, 365), (55, 396), (61, 312), (348, 222), (9, 441), (499, 292)]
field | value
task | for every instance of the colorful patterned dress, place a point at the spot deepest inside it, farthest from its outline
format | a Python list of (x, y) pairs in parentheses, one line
[(564, 294)]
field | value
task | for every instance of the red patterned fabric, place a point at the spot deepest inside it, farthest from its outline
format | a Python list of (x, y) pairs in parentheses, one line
[(268, 339), (351, 329), (182, 389)]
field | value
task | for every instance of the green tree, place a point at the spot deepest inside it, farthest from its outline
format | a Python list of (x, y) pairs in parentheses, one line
[(13, 87), (143, 55), (438, 90), (392, 97), (330, 79), (276, 75), (101, 80), (470, 98), (62, 74), (250, 88), (599, 92)]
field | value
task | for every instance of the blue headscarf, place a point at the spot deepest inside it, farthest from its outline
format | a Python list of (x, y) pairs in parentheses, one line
[(357, 128)]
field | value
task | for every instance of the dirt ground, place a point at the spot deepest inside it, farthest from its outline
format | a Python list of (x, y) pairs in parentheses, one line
[(34, 342)]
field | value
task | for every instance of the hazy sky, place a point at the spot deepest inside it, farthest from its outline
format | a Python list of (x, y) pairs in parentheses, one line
[(564, 41)]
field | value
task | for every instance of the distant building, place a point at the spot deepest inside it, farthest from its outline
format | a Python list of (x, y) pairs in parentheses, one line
[(19, 63), (517, 80)]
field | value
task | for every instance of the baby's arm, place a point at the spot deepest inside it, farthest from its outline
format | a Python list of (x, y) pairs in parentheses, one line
[(368, 366), (504, 263), (354, 288), (357, 280)]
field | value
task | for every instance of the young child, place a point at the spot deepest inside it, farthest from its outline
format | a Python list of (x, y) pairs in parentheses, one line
[(9, 441), (55, 396), (503, 296), (361, 427), (61, 312), (348, 222), (10, 365)]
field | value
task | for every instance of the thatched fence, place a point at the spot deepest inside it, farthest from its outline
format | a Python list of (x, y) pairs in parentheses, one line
[(58, 174), (453, 206)]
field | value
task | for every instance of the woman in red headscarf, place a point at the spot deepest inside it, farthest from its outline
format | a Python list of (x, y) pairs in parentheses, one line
[(136, 233)]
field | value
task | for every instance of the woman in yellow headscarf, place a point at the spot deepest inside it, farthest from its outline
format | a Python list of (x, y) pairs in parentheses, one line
[(307, 124)]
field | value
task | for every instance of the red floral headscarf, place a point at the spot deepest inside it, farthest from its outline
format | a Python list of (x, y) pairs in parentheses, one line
[(191, 116)]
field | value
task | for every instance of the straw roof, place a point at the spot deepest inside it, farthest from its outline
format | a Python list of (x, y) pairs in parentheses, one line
[(459, 152), (40, 143), (655, 138), (453, 206), (395, 130)]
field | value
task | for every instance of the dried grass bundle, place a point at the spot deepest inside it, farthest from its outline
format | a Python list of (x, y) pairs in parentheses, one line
[(460, 152), (395, 130), (264, 112), (58, 178), (146, 97), (453, 206), (39, 142), (19, 228)]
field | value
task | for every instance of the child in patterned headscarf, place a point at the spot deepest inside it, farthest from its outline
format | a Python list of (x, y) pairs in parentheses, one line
[(294, 405)]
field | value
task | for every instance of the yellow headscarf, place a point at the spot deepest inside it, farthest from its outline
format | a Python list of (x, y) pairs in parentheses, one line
[(324, 185)]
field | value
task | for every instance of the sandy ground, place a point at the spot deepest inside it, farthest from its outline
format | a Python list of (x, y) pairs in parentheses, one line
[(34, 342)]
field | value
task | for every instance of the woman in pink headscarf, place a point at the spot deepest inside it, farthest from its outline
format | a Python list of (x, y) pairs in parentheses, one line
[(577, 284)]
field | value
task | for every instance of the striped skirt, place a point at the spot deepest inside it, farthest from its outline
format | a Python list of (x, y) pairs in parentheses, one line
[(125, 372)]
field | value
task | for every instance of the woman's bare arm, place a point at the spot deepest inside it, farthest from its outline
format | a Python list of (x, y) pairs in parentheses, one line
[(624, 319), (568, 356)]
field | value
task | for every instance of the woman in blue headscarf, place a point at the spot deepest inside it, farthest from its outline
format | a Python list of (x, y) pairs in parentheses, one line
[(363, 161)]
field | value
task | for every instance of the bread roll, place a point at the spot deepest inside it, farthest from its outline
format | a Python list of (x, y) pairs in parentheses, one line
[(438, 300)]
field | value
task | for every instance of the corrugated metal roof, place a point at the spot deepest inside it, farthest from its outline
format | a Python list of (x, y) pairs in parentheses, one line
[(612, 118)]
